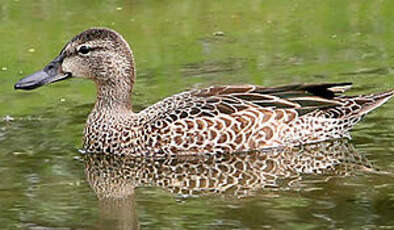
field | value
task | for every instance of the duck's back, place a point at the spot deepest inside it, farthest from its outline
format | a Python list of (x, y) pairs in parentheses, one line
[(242, 118)]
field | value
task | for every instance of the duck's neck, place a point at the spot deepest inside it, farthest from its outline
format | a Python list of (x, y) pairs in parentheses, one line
[(114, 93), (113, 96)]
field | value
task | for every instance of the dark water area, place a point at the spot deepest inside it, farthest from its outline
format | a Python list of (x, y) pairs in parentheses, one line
[(180, 45)]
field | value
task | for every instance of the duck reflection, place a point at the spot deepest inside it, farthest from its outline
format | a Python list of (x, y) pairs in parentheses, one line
[(237, 174), (114, 178)]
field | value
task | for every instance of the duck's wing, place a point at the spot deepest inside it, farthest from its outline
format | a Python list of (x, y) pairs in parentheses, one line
[(230, 99), (302, 97)]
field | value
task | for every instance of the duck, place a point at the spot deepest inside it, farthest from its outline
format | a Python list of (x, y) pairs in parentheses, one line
[(224, 118)]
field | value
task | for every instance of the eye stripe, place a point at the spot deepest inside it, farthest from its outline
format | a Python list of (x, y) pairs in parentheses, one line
[(89, 48), (85, 49), (96, 48)]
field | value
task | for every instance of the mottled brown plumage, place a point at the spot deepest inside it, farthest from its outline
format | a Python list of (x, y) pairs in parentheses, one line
[(215, 119)]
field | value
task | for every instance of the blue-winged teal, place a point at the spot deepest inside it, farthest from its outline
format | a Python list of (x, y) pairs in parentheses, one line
[(215, 119)]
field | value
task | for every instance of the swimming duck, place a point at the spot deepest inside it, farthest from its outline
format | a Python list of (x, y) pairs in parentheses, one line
[(215, 119)]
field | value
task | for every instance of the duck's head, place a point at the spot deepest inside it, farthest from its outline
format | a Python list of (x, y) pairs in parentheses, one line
[(99, 54)]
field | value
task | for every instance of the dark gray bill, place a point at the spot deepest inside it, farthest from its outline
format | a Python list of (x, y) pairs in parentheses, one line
[(51, 73)]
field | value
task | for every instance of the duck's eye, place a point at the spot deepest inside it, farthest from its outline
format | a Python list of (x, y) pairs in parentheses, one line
[(83, 49)]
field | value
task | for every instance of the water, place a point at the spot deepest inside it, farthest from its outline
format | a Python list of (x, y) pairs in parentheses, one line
[(180, 45)]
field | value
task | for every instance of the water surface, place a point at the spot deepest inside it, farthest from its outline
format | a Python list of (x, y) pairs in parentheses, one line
[(179, 45)]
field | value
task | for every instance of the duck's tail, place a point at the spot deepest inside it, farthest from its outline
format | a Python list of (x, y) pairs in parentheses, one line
[(335, 122), (370, 102), (354, 108)]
